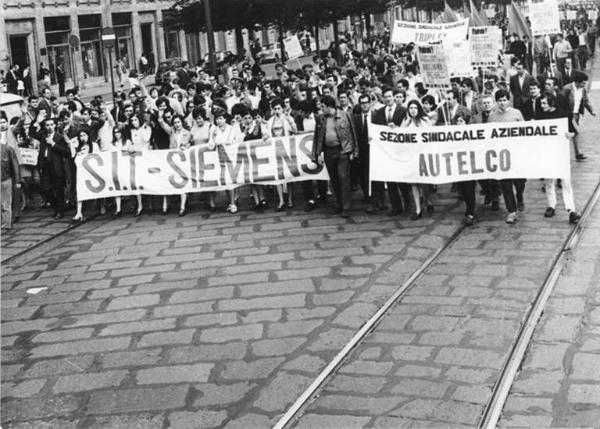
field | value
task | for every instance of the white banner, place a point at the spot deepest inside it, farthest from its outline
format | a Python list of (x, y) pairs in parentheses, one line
[(458, 58), (432, 62), (593, 14), (544, 17), (28, 156), (166, 172), (292, 47), (422, 33), (485, 44), (445, 154), (571, 14)]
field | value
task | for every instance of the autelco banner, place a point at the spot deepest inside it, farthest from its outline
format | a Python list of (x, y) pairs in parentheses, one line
[(443, 154), (198, 169)]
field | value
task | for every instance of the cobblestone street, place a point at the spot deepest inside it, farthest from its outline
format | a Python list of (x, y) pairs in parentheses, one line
[(223, 320)]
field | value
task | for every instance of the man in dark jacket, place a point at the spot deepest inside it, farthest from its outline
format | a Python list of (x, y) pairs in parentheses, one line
[(51, 163), (335, 143)]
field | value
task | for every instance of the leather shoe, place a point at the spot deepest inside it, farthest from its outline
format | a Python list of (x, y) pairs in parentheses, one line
[(580, 157), (416, 216), (574, 217), (59, 215), (549, 212), (310, 206)]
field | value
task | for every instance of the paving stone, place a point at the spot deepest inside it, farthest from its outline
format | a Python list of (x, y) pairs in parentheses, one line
[(72, 308), (130, 358), (472, 376), (469, 357), (559, 328), (125, 302), (237, 279), (196, 373), (528, 404), (24, 389), (298, 327), (331, 339), (275, 288), (80, 347), (420, 388), (217, 394), (355, 315), (249, 421), (91, 381), (198, 419), (449, 411), (367, 367), (527, 421), (546, 356), (586, 366), (355, 385), (306, 363), (472, 394), (215, 318), (223, 335), (547, 382), (20, 326), (241, 370), (141, 399), (412, 353), (19, 313), (63, 423), (63, 335), (204, 294), (183, 309), (324, 421), (111, 317), (279, 301), (208, 352), (390, 338), (263, 316), (30, 409), (277, 347), (333, 298), (141, 326), (281, 392), (182, 336), (374, 406), (136, 421)]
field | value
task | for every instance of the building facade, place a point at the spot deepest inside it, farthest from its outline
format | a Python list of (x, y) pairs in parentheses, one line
[(37, 33)]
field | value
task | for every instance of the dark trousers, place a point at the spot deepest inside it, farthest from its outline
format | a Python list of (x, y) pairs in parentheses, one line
[(394, 191), (61, 88), (491, 189), (53, 188), (512, 196), (467, 189), (309, 192), (376, 196), (338, 167)]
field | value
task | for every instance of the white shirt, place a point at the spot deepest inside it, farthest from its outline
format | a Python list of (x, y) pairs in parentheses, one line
[(389, 113), (577, 97)]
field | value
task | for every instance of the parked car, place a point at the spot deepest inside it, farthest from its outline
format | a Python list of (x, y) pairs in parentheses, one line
[(163, 69)]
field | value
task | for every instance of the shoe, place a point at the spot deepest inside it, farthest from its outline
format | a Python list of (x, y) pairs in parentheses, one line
[(580, 157), (212, 209), (394, 212), (117, 213), (310, 206), (264, 203), (559, 183), (280, 207), (257, 208), (139, 212), (521, 206), (165, 211), (77, 219), (430, 208), (416, 216), (495, 205), (233, 208), (59, 215), (345, 214), (371, 209), (544, 188), (469, 220), (549, 212), (181, 213), (574, 217), (511, 218), (290, 204)]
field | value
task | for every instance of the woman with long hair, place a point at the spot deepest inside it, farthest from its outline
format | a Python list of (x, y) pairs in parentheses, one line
[(417, 118), (179, 138), (140, 135), (224, 134), (82, 145)]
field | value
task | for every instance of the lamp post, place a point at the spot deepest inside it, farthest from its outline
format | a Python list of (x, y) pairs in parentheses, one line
[(108, 41), (211, 39)]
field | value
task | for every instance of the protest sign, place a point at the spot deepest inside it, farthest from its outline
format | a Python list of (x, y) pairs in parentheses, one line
[(544, 17), (292, 47), (445, 154), (485, 44), (458, 58), (593, 14), (571, 14), (434, 69), (28, 156), (166, 172), (421, 33)]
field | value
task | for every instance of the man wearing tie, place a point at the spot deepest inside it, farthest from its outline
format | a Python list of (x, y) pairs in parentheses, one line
[(532, 108), (519, 84), (392, 115), (570, 73), (361, 120)]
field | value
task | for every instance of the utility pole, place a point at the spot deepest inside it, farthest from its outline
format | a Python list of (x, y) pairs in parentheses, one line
[(211, 39)]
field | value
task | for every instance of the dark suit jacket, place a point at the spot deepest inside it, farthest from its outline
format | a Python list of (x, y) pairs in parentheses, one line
[(11, 82), (380, 117), (520, 94), (528, 112), (362, 135), (570, 77), (541, 78), (56, 154)]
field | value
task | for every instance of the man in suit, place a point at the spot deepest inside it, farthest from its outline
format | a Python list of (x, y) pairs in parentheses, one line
[(519, 84), (361, 120), (392, 114), (551, 86), (549, 73), (51, 163), (532, 107), (12, 79), (570, 72), (335, 143), (578, 102), (447, 113)]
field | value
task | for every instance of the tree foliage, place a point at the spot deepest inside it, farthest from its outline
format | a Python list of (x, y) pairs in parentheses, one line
[(290, 14)]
